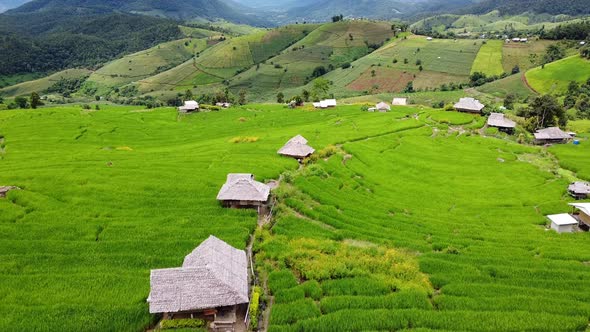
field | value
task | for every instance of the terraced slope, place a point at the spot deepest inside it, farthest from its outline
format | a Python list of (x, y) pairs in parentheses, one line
[(386, 71), (329, 46), (384, 230), (555, 77), (42, 84), (144, 64), (225, 59)]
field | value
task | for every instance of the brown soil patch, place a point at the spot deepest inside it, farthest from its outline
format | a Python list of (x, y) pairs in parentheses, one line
[(384, 80)]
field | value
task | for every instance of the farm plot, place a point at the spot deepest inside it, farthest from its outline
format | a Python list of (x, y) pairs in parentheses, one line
[(144, 64), (378, 80), (555, 77), (489, 262), (489, 58), (523, 55)]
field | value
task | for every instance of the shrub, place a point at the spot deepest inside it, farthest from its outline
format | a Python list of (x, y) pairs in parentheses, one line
[(293, 312), (183, 324), (255, 308)]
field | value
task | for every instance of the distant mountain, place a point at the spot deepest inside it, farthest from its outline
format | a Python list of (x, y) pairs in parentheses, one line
[(514, 7), (379, 9), (9, 4), (174, 9)]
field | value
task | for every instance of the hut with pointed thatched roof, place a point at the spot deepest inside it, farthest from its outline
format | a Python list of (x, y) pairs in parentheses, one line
[(4, 190), (383, 107), (296, 148), (551, 135), (469, 105), (499, 121), (241, 191), (579, 190), (211, 284)]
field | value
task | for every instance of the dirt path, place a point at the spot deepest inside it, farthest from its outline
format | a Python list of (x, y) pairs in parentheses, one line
[(526, 83)]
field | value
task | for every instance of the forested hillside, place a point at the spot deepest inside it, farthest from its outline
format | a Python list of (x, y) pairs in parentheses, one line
[(32, 46), (512, 7)]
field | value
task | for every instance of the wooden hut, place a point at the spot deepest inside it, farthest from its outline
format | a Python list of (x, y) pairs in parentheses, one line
[(189, 106), (562, 223), (551, 135), (499, 121), (296, 148), (241, 191), (582, 213), (579, 190), (4, 190), (212, 284), (469, 105)]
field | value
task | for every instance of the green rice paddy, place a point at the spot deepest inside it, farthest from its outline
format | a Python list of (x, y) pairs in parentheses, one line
[(555, 77), (489, 58), (407, 220)]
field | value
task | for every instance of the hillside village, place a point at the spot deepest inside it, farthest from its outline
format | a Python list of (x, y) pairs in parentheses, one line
[(363, 174)]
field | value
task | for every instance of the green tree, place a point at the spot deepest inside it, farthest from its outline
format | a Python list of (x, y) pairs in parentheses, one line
[(242, 97), (305, 94), (409, 87), (35, 100), (188, 95), (509, 101), (544, 111), (320, 89), (21, 102), (280, 98), (1, 100)]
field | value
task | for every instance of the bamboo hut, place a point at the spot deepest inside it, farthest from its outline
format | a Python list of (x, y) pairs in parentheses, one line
[(241, 191), (296, 148)]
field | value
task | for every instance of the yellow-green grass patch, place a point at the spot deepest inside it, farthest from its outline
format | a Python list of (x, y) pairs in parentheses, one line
[(489, 58)]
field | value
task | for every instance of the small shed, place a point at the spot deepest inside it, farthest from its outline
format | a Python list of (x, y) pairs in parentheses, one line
[(189, 106), (399, 102), (579, 190), (469, 105), (551, 135), (583, 214), (429, 38), (562, 223), (296, 148), (499, 121), (325, 103), (211, 284), (241, 191), (4, 190), (383, 107)]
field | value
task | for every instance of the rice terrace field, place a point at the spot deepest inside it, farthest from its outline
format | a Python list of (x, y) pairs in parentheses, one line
[(408, 220)]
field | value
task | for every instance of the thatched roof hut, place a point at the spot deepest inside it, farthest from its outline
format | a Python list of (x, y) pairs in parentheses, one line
[(579, 190), (470, 105), (243, 188), (214, 275), (383, 107), (297, 148), (498, 120), (551, 135)]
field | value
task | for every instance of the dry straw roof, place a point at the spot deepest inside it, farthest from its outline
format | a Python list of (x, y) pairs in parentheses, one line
[(498, 120), (551, 133), (242, 187), (399, 101), (580, 188), (214, 275), (469, 104), (296, 147)]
